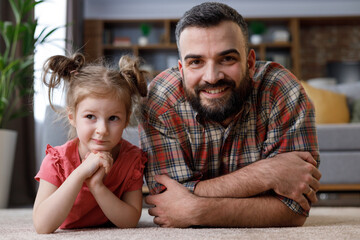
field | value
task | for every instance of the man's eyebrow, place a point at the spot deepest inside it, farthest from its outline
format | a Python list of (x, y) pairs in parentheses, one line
[(233, 50), (192, 56), (223, 53)]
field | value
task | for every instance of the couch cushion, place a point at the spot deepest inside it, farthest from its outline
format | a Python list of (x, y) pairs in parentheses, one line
[(340, 167), (335, 137), (330, 107), (351, 90)]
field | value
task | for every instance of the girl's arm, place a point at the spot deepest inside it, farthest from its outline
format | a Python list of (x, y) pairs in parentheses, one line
[(52, 204), (124, 212)]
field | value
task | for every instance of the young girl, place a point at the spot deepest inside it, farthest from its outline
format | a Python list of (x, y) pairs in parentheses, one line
[(95, 178)]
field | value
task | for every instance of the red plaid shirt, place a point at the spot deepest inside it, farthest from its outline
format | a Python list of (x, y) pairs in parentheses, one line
[(278, 117)]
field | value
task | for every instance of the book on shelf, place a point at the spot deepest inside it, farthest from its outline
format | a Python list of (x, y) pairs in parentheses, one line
[(122, 42)]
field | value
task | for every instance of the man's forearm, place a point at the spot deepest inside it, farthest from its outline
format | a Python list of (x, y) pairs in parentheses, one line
[(292, 175), (178, 207), (264, 211), (245, 182)]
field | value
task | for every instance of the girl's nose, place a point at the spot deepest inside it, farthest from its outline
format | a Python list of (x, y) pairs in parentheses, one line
[(101, 128)]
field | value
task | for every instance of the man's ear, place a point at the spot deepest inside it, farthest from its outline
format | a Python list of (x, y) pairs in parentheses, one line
[(251, 60), (71, 117), (180, 68)]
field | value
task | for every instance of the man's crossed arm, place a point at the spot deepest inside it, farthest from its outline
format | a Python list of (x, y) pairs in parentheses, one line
[(236, 199)]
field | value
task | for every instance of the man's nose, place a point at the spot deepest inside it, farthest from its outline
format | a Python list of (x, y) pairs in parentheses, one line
[(213, 73)]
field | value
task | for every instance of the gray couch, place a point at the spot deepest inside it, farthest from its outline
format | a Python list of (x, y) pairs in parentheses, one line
[(340, 143), (339, 153)]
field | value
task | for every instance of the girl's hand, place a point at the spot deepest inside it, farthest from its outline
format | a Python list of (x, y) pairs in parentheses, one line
[(96, 179), (94, 161)]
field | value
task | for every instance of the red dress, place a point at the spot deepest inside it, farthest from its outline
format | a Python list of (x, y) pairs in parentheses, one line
[(125, 175)]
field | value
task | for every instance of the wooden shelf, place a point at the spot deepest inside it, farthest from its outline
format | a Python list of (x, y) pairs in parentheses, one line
[(114, 47), (147, 47), (339, 187), (272, 45)]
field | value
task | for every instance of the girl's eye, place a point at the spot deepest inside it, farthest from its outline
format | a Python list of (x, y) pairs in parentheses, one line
[(114, 118), (90, 116)]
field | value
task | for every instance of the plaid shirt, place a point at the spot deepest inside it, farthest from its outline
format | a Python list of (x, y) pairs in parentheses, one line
[(278, 117)]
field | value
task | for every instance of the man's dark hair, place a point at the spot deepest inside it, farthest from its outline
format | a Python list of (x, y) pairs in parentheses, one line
[(210, 14)]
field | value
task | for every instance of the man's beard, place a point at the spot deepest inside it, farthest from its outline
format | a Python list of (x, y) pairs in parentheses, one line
[(220, 109)]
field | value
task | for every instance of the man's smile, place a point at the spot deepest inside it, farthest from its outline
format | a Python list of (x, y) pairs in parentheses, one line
[(214, 91)]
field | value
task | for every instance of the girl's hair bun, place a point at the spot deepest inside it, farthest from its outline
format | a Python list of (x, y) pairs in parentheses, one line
[(130, 70)]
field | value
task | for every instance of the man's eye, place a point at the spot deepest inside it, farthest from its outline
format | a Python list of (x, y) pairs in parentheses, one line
[(114, 118), (228, 59), (195, 62), (90, 116)]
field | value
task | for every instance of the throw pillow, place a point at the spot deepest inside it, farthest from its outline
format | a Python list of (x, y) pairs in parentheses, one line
[(330, 107)]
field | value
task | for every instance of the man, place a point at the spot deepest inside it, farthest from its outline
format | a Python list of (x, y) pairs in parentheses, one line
[(231, 142)]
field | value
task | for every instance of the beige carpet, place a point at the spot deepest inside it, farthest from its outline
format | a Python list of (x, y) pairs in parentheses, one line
[(323, 223)]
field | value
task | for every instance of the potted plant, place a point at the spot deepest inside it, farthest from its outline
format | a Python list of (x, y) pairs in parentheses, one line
[(257, 29), (16, 79), (145, 31)]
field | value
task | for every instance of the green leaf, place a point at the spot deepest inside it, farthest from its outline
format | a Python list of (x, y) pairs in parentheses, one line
[(28, 38), (42, 40), (4, 100), (2, 63), (16, 72), (30, 4), (11, 67), (16, 10), (7, 32)]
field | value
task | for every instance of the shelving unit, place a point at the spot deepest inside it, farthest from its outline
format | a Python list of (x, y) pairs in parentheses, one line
[(161, 51), (287, 50)]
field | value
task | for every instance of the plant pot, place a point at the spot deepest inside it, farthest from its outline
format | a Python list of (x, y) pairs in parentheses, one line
[(7, 155), (143, 41), (256, 39)]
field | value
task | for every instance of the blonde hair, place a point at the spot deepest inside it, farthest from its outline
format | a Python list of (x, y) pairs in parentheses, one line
[(127, 83)]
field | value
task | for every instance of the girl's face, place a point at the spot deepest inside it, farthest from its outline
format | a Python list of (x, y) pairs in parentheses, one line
[(99, 124)]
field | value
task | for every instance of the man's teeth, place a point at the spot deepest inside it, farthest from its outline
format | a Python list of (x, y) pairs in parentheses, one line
[(214, 91)]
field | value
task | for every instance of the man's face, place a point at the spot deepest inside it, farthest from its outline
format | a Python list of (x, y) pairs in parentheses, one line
[(216, 70)]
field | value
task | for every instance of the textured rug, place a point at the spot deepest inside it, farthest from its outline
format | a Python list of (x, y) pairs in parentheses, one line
[(323, 223)]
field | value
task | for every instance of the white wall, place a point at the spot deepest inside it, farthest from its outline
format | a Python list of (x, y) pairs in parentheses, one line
[(145, 9)]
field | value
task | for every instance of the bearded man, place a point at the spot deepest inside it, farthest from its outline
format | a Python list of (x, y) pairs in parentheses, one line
[(231, 142)]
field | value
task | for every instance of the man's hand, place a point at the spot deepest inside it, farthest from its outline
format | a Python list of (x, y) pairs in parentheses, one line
[(173, 208), (296, 177)]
